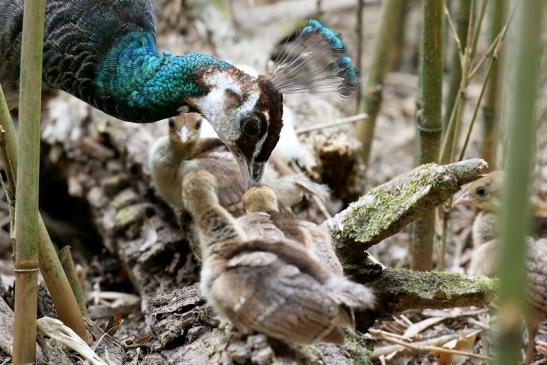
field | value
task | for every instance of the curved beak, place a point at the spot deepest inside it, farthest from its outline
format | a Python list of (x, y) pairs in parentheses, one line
[(252, 171)]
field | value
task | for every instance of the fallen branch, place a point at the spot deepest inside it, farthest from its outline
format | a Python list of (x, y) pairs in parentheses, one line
[(400, 290), (389, 207)]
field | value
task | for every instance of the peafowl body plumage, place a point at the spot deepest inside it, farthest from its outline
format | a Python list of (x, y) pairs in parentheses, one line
[(104, 52)]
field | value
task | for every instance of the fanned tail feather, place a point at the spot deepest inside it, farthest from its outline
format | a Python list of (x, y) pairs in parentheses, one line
[(316, 61)]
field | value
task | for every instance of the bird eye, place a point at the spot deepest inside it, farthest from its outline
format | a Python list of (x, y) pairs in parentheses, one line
[(198, 124), (250, 126), (481, 191)]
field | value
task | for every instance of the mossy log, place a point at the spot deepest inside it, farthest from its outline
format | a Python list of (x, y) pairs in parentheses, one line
[(400, 290), (389, 207)]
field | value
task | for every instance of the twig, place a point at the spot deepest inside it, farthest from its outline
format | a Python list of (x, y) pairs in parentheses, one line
[(421, 347), (352, 119)]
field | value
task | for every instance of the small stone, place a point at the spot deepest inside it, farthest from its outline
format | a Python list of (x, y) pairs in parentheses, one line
[(263, 356), (195, 332), (113, 185), (239, 351), (125, 198), (133, 214), (96, 197)]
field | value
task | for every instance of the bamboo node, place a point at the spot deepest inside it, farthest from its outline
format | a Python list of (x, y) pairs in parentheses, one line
[(25, 270)]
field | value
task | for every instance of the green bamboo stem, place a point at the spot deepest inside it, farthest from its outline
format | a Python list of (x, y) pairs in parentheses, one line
[(515, 215), (462, 25), (372, 97), (9, 148), (50, 266), (26, 194), (359, 34), (492, 103), (491, 54), (428, 122), (396, 54), (70, 270), (455, 100)]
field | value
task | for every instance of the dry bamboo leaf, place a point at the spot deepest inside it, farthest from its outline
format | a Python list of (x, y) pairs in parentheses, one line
[(418, 327), (462, 343), (56, 330)]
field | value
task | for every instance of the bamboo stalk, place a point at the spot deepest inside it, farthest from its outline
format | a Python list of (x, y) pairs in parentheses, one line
[(26, 194), (515, 217), (50, 266), (70, 270), (462, 25), (359, 34), (492, 103), (396, 54), (372, 97), (428, 122)]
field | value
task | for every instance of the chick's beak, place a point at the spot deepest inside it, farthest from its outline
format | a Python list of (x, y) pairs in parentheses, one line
[(464, 200), (184, 134)]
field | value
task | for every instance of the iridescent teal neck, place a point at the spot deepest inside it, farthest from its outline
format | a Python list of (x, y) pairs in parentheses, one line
[(140, 85)]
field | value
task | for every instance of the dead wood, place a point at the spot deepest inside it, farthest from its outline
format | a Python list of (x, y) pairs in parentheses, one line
[(389, 207)]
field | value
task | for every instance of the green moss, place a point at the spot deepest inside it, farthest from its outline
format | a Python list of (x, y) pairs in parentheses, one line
[(405, 289), (384, 206), (358, 348)]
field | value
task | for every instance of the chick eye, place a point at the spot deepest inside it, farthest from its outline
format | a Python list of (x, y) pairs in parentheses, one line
[(250, 126), (481, 191)]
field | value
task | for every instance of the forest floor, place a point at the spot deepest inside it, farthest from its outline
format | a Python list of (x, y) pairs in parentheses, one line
[(140, 275)]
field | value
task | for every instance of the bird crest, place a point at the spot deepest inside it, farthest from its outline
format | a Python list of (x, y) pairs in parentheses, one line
[(316, 61)]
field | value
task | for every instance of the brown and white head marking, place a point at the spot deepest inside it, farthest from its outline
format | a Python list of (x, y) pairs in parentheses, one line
[(247, 114), (246, 111)]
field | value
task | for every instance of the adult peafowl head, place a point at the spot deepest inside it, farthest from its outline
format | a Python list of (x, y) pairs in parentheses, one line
[(247, 111)]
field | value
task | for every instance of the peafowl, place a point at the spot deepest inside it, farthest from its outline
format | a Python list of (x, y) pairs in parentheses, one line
[(104, 52)]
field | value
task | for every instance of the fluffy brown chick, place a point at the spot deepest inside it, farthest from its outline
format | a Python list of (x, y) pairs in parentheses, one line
[(271, 286), (263, 218), (485, 195), (181, 151), (172, 156), (169, 151)]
